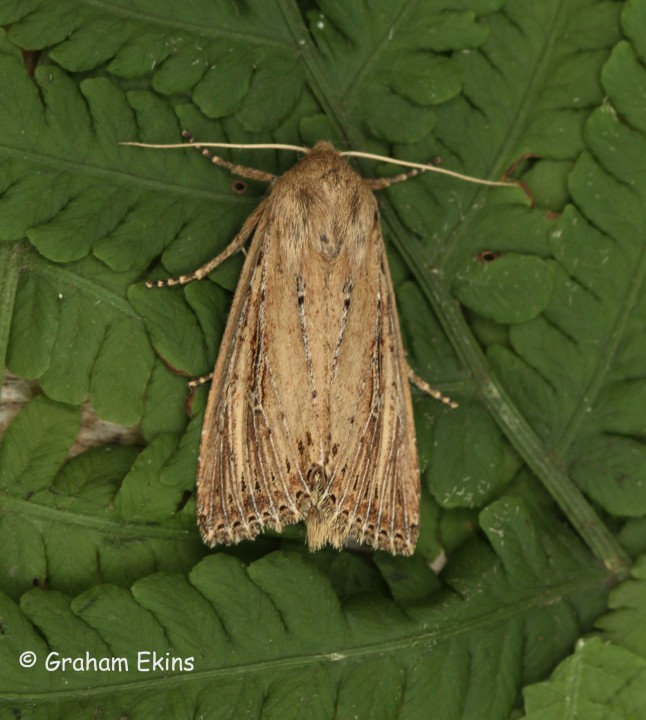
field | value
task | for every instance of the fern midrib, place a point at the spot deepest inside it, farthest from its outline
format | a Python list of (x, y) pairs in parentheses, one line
[(590, 581), (58, 273), (176, 26), (117, 527), (372, 58), (517, 123), (605, 356), (118, 178)]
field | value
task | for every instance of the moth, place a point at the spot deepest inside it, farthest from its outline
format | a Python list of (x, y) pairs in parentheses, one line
[(309, 416)]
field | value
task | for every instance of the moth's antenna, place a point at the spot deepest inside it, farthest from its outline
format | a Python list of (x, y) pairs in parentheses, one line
[(429, 168), (237, 146), (348, 153)]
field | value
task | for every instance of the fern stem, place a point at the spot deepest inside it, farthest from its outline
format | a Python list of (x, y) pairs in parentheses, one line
[(8, 285)]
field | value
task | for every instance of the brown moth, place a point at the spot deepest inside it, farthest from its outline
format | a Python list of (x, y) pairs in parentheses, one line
[(309, 416)]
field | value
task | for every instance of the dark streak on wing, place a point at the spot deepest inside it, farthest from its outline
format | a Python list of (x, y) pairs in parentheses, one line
[(347, 291), (300, 299)]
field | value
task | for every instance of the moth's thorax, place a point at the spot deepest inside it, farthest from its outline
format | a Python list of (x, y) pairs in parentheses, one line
[(323, 202)]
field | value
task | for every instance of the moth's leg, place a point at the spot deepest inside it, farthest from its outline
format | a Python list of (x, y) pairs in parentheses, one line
[(416, 380), (201, 380), (383, 183), (193, 385), (242, 170), (234, 246)]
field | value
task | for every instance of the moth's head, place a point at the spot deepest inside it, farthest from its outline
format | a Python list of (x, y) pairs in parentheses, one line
[(323, 147), (322, 162), (323, 153)]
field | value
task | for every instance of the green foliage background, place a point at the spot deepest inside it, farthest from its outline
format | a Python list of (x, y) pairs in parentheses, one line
[(530, 314)]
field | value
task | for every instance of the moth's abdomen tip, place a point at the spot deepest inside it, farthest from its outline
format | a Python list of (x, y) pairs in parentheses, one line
[(321, 532)]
